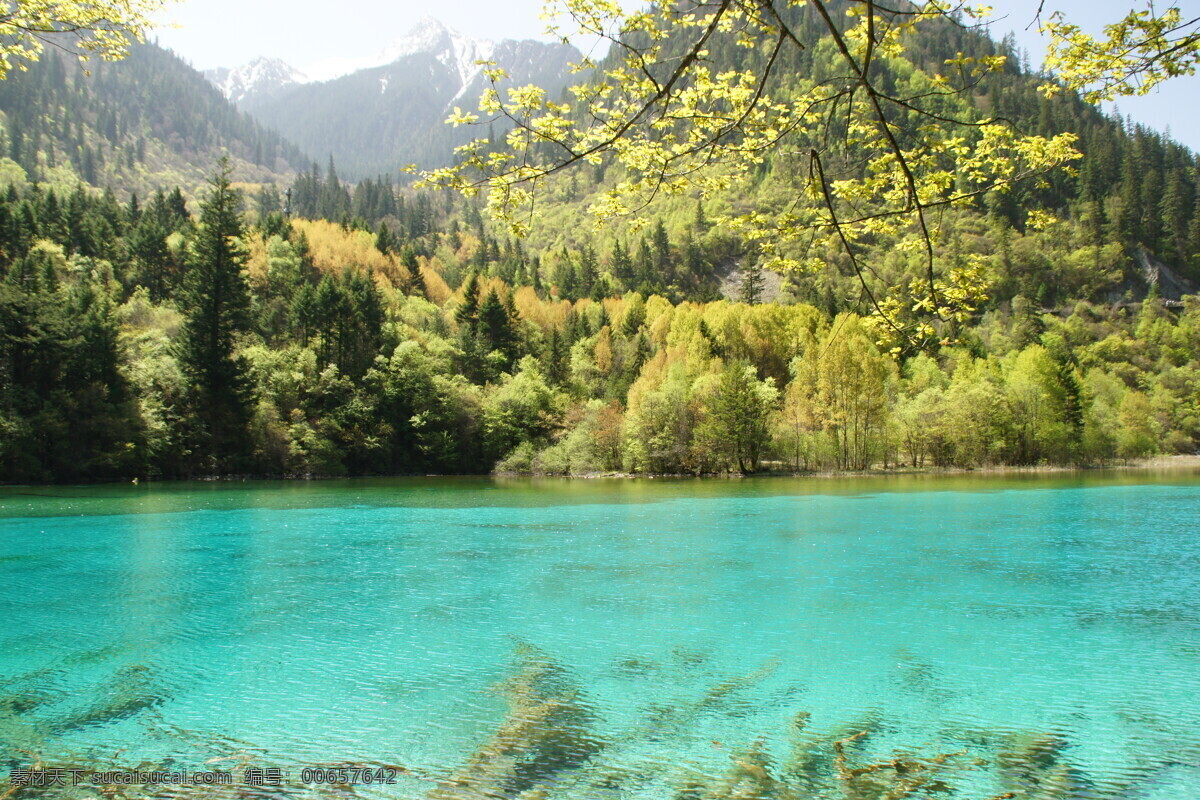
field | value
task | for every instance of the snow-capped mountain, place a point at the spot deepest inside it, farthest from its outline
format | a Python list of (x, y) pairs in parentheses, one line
[(258, 77), (378, 113), (430, 36), (265, 76)]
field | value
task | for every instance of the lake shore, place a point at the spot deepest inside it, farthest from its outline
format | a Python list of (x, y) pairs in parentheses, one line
[(1158, 463), (1164, 463)]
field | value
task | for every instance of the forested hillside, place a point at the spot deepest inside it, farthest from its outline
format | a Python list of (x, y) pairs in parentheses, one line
[(380, 329), (146, 122), (1133, 188), (347, 351)]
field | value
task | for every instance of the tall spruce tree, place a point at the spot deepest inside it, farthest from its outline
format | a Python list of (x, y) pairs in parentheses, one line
[(467, 312), (218, 303), (384, 242), (496, 326), (752, 282)]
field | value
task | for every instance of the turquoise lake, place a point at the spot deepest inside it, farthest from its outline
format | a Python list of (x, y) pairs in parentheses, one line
[(1034, 635)]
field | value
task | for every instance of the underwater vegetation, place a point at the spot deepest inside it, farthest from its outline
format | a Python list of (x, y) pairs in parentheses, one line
[(39, 705), (545, 733), (548, 746), (128, 692), (1036, 766)]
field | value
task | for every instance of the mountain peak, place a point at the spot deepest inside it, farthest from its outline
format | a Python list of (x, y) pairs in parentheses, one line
[(254, 77), (431, 36), (427, 28), (427, 36)]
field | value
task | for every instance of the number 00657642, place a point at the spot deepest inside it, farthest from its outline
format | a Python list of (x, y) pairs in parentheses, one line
[(348, 775)]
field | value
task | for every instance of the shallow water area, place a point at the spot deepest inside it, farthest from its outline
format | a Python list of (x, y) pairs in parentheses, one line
[(960, 636)]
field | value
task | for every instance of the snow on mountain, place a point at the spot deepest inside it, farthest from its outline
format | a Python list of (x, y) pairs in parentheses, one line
[(428, 36), (260, 76), (373, 114), (265, 76), (449, 46)]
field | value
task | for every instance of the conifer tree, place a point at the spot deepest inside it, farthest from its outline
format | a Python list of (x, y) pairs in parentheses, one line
[(556, 357), (752, 283), (510, 308), (1173, 210), (739, 416), (467, 313), (566, 276), (383, 239), (302, 315), (218, 303), (496, 326), (535, 274), (413, 282), (644, 267), (635, 316), (621, 264), (1193, 241), (664, 267), (588, 270)]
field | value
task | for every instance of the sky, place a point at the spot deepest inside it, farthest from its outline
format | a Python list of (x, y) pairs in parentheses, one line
[(226, 33)]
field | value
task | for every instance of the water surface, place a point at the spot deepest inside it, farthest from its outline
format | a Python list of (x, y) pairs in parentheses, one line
[(650, 639)]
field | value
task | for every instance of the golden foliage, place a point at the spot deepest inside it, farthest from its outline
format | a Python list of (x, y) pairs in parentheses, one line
[(435, 287), (334, 249)]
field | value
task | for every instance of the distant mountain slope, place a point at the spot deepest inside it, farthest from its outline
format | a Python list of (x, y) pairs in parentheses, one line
[(390, 109), (145, 122)]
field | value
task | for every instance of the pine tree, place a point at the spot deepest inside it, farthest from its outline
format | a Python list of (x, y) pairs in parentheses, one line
[(700, 221), (1174, 211), (555, 357), (383, 239), (664, 265), (176, 208), (363, 324), (302, 315), (535, 274), (496, 327), (218, 303), (1193, 241), (648, 281), (413, 283), (510, 308), (635, 316), (621, 264), (589, 268), (566, 276), (467, 313), (752, 283)]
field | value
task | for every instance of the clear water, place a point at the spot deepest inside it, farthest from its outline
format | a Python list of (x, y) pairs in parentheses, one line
[(623, 639)]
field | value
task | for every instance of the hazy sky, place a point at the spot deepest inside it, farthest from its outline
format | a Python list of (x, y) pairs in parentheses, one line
[(214, 33)]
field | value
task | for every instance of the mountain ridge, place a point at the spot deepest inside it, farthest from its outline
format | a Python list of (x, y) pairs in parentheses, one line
[(259, 74), (263, 75), (378, 114)]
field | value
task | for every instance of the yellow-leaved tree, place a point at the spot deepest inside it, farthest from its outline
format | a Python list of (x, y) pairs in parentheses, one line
[(102, 28), (695, 96)]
